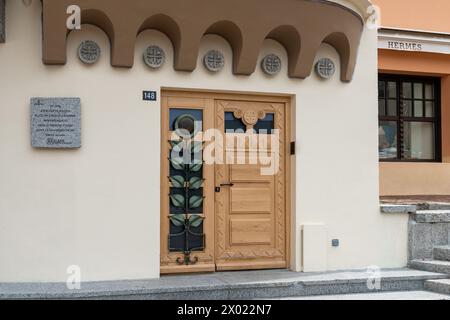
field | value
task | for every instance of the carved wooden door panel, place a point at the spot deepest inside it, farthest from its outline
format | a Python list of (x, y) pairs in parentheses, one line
[(187, 186), (250, 201)]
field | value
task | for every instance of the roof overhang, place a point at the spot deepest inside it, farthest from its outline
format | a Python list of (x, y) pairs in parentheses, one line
[(301, 26), (359, 6)]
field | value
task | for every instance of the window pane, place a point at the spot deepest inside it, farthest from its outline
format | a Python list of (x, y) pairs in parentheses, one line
[(182, 116), (407, 108), (418, 108), (178, 238), (381, 89), (266, 125), (392, 108), (381, 107), (233, 124), (387, 133), (406, 90), (418, 140), (429, 91), (392, 89), (418, 91), (429, 109)]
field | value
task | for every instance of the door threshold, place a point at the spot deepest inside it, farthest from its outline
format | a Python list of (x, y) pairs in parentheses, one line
[(200, 268), (211, 269)]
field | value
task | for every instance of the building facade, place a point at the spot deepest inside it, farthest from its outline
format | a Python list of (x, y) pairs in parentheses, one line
[(414, 101), (103, 193)]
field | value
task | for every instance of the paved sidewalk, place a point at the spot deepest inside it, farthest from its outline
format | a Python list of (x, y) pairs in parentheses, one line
[(227, 285), (402, 295)]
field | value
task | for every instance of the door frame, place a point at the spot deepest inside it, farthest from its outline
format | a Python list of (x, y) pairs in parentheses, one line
[(214, 95)]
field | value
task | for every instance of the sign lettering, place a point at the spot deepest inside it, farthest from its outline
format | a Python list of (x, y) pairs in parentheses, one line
[(56, 123)]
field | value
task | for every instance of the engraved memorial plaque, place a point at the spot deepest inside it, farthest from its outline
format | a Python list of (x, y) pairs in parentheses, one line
[(56, 123)]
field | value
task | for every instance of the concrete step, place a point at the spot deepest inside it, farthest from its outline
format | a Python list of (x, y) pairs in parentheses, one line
[(442, 253), (432, 216), (431, 266), (438, 286), (433, 206), (231, 286)]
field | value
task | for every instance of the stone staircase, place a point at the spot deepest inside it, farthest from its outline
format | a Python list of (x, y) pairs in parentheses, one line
[(429, 244), (439, 264)]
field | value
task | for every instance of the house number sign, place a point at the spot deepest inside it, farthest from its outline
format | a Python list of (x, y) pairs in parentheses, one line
[(149, 96), (56, 123)]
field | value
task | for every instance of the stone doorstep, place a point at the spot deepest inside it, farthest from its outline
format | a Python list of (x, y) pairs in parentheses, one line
[(442, 253), (432, 216), (431, 266), (228, 285), (433, 206), (438, 286), (413, 207), (398, 208)]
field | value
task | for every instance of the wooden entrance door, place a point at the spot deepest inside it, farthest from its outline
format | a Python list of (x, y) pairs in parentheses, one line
[(250, 206), (245, 209)]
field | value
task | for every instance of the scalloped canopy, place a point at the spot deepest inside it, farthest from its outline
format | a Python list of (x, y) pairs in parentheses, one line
[(301, 26)]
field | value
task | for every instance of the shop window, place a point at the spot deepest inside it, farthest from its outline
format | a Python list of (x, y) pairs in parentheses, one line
[(409, 118)]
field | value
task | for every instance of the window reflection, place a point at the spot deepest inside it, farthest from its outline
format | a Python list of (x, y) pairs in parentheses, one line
[(418, 140), (387, 133)]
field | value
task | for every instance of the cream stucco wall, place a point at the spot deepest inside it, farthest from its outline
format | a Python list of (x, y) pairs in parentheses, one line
[(98, 207)]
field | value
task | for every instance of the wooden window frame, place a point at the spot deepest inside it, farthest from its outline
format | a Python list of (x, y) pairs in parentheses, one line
[(399, 119)]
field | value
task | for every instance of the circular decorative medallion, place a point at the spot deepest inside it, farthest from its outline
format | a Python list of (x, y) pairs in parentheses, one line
[(89, 52), (154, 57), (251, 117), (271, 64), (185, 123), (325, 68), (214, 60)]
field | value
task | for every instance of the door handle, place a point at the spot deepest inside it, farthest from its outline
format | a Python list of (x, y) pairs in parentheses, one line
[(218, 189), (227, 185)]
